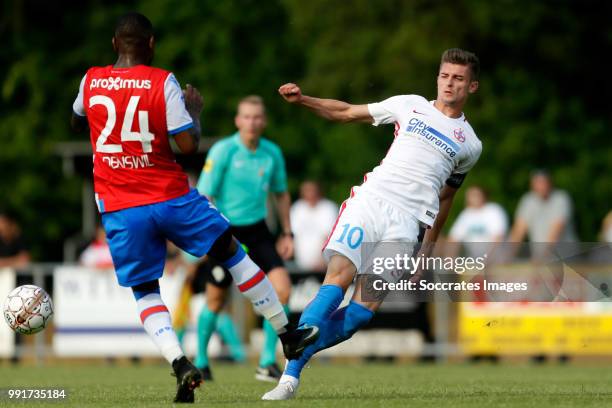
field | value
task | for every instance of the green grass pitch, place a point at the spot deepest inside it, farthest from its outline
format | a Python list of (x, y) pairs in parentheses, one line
[(330, 385)]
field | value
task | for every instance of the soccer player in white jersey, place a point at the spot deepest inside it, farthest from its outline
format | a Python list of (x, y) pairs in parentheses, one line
[(413, 188)]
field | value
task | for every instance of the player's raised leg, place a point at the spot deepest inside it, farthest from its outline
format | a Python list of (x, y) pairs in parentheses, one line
[(250, 281), (359, 222), (333, 328), (343, 250), (197, 227), (340, 274), (267, 369)]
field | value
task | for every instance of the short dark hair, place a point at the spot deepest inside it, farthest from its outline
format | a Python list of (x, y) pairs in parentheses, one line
[(462, 57), (134, 30)]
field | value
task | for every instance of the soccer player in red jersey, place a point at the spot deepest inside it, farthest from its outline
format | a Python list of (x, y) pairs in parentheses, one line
[(131, 109)]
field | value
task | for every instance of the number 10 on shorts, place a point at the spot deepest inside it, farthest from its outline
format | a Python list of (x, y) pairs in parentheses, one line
[(353, 236)]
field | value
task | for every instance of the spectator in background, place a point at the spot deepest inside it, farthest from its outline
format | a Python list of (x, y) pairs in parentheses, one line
[(312, 218), (97, 254), (480, 222), (478, 227), (13, 251), (544, 214)]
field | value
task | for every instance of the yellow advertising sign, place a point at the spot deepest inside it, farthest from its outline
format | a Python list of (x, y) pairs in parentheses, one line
[(534, 327)]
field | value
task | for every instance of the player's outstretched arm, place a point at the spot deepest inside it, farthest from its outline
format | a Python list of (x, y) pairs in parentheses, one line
[(187, 141), (331, 109)]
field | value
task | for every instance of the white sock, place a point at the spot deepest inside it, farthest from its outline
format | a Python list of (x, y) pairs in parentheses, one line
[(279, 321), (253, 283), (156, 321), (290, 379)]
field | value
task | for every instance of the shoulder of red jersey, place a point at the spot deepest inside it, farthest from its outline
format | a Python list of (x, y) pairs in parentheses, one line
[(144, 69), (159, 72), (98, 70)]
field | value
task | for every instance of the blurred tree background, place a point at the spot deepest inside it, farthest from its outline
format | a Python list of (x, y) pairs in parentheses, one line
[(543, 99)]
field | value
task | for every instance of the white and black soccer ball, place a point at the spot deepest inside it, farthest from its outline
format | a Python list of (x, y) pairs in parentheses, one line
[(28, 309)]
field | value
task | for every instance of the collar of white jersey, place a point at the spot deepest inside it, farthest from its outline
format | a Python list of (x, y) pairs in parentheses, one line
[(462, 117)]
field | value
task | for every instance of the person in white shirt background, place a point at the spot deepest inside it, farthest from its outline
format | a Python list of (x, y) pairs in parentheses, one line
[(478, 227), (480, 222), (312, 217)]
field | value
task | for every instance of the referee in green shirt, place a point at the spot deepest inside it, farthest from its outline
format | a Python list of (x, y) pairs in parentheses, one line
[(239, 173)]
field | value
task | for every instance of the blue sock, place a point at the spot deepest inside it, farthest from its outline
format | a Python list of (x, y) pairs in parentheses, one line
[(318, 310), (340, 326)]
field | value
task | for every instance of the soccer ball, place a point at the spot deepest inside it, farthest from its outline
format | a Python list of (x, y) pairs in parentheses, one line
[(28, 309)]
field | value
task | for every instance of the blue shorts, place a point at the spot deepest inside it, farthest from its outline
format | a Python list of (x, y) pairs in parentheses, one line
[(137, 236)]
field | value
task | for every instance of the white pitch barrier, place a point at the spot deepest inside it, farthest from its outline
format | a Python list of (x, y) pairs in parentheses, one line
[(95, 317)]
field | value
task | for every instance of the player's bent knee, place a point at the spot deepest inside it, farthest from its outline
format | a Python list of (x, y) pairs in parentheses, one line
[(143, 289), (224, 247)]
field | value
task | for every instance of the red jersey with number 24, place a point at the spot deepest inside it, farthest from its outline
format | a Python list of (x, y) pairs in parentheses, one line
[(131, 112)]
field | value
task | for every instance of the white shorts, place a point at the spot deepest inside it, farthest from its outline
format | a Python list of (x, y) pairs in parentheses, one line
[(366, 227)]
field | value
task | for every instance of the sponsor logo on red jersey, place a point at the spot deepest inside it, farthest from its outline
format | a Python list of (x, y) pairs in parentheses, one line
[(117, 83), (133, 162)]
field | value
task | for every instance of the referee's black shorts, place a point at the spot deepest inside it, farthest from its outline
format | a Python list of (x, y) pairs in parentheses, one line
[(260, 245)]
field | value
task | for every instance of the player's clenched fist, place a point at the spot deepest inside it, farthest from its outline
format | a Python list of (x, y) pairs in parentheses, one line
[(290, 92), (193, 100)]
